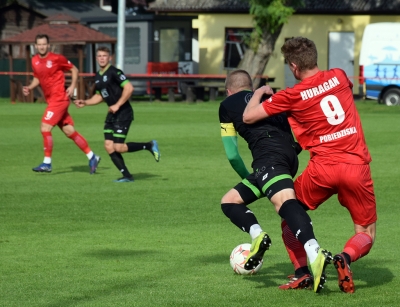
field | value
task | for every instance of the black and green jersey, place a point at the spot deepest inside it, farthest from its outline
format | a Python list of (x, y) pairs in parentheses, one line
[(109, 84), (263, 137)]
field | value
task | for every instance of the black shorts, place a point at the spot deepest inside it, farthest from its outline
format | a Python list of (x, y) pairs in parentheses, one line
[(272, 172), (116, 131), (266, 181)]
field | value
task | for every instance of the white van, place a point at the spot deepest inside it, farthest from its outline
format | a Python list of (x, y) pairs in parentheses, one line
[(380, 62)]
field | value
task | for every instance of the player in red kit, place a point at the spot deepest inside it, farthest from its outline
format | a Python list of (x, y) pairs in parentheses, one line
[(325, 121), (48, 72)]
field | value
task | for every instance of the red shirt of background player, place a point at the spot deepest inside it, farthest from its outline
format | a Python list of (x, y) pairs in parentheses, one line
[(50, 72)]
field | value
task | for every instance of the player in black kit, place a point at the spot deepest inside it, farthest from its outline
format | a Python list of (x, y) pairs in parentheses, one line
[(113, 87), (275, 163)]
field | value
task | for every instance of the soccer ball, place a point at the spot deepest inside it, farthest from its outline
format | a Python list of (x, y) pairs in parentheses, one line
[(238, 258)]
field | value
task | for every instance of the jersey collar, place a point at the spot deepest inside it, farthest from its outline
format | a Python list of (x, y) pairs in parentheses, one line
[(101, 72)]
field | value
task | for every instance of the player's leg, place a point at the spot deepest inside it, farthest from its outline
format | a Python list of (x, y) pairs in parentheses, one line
[(277, 185), (355, 248), (301, 279), (151, 146), (313, 187), (52, 115), (122, 129), (67, 126), (116, 157), (45, 166), (356, 193), (234, 206)]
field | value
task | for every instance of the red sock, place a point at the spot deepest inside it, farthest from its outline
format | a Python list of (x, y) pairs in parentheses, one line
[(295, 249), (47, 144), (80, 142), (358, 246)]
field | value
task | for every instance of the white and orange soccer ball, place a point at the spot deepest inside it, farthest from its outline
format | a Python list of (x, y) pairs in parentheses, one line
[(238, 259)]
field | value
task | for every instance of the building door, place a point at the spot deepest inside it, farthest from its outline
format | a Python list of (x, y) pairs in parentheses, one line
[(341, 52)]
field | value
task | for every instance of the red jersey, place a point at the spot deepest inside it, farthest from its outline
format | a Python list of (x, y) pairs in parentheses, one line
[(323, 117), (50, 72)]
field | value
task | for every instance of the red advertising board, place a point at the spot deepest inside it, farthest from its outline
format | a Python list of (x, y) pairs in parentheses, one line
[(164, 68)]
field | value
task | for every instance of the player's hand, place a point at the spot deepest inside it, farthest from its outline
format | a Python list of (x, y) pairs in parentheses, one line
[(80, 103), (113, 109), (70, 91), (26, 90), (265, 90)]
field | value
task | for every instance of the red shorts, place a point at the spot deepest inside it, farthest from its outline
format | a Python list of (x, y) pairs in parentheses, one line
[(352, 183), (57, 114)]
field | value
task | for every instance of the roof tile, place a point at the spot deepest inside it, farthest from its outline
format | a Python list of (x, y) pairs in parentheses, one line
[(61, 17), (62, 34)]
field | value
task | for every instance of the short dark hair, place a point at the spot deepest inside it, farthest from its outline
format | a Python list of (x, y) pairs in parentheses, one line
[(300, 51), (40, 36), (104, 49), (238, 80)]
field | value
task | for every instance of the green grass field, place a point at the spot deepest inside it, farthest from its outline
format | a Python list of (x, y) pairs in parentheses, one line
[(73, 239)]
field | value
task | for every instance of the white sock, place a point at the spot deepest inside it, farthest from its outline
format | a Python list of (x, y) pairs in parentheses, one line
[(47, 160), (90, 155), (311, 248), (255, 231)]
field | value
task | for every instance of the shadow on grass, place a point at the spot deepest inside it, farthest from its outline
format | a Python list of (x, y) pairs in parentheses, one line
[(76, 169), (140, 176), (367, 273), (85, 169)]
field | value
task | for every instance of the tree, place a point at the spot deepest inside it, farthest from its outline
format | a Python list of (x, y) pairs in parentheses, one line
[(269, 16)]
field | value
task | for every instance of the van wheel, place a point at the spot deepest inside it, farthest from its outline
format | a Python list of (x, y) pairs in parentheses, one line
[(391, 97)]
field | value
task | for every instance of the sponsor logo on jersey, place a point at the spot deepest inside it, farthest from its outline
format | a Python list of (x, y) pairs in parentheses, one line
[(265, 177), (259, 171), (248, 97), (104, 78), (49, 64), (119, 130), (104, 93), (320, 89), (337, 135), (227, 129)]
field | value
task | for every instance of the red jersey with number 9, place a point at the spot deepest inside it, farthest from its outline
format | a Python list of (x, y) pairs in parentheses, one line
[(323, 117), (50, 72)]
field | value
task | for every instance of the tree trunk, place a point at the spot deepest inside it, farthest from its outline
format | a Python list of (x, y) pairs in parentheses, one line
[(254, 62)]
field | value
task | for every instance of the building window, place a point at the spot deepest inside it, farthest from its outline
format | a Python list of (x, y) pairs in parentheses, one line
[(235, 46), (132, 43)]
